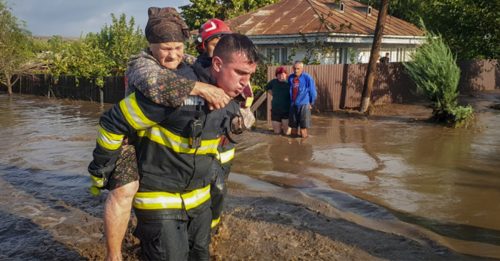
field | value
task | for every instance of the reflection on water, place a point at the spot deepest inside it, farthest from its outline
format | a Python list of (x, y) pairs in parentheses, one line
[(289, 155), (445, 181), (46, 211), (47, 134)]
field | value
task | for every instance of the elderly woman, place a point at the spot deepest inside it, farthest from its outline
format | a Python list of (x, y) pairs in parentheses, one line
[(280, 107)]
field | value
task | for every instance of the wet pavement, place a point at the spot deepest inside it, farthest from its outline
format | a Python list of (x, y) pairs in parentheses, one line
[(411, 178)]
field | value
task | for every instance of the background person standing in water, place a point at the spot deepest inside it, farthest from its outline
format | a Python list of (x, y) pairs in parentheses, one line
[(280, 106), (302, 95)]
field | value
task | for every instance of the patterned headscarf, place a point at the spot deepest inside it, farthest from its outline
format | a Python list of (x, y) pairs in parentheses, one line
[(165, 25)]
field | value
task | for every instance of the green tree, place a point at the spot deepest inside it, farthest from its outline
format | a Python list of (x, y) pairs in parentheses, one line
[(199, 11), (98, 54), (408, 10), (79, 58), (15, 44), (471, 28), (57, 56), (118, 41), (434, 70)]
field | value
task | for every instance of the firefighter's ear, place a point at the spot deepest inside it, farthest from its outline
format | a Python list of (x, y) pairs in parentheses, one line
[(217, 63)]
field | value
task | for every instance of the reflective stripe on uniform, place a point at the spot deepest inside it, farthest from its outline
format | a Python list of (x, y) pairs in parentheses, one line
[(177, 143), (248, 102), (97, 182), (166, 200), (226, 156), (108, 140), (215, 222), (133, 114)]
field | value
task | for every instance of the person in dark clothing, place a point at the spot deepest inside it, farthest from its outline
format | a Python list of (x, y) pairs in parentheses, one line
[(154, 72), (386, 59), (163, 54), (159, 131), (209, 35), (280, 106)]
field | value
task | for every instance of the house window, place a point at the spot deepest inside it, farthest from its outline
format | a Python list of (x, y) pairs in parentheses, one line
[(339, 56), (341, 8), (329, 57), (277, 55), (369, 11), (342, 55)]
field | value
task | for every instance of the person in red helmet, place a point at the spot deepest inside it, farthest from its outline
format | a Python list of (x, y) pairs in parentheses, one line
[(210, 33)]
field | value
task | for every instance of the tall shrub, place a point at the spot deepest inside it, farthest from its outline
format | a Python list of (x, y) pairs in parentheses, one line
[(434, 70), (118, 41), (15, 47)]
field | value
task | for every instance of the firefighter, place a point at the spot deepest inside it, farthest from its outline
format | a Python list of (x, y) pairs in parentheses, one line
[(154, 73), (176, 149), (209, 35)]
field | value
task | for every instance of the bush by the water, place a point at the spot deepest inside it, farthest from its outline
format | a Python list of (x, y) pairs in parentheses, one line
[(435, 72)]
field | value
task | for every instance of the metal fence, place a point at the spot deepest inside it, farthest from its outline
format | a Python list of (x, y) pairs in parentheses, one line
[(72, 88), (479, 75), (340, 86)]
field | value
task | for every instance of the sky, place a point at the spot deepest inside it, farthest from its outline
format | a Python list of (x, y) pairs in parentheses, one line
[(74, 18)]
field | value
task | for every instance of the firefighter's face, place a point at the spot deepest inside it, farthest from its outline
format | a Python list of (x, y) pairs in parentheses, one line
[(168, 54), (233, 74)]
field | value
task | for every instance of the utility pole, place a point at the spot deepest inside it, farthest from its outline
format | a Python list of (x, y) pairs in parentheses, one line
[(374, 54)]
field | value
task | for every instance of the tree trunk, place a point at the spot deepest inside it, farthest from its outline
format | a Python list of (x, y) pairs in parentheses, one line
[(374, 54), (9, 84)]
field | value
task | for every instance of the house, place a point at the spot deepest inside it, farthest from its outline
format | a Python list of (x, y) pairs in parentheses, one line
[(325, 31)]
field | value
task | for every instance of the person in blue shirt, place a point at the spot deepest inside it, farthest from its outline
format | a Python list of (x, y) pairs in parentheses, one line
[(302, 97)]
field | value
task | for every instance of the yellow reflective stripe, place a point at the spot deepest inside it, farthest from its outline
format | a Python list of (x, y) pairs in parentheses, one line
[(109, 140), (196, 197), (133, 113), (96, 181), (248, 102), (226, 156), (166, 200), (215, 222), (157, 200), (177, 143)]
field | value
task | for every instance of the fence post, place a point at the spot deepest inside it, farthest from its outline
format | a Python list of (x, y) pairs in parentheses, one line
[(101, 96), (343, 89), (268, 114), (20, 84)]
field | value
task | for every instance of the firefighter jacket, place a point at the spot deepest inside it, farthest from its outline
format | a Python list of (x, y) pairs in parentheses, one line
[(176, 149)]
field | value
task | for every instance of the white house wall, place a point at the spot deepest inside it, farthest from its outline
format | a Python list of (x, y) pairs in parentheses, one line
[(347, 46), (345, 53)]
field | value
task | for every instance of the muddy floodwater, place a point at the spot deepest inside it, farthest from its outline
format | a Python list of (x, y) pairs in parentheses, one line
[(418, 180)]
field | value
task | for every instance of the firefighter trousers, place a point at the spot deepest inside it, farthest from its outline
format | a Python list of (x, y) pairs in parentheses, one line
[(175, 240)]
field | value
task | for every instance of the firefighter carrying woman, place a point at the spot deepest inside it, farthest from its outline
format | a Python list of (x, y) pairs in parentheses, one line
[(178, 140)]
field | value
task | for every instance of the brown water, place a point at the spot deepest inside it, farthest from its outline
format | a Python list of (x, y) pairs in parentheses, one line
[(415, 179)]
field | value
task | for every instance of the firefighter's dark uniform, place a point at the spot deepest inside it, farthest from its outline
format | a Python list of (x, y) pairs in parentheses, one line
[(226, 149), (176, 149)]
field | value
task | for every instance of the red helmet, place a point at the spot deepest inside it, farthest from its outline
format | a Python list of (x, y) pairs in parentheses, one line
[(213, 28)]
